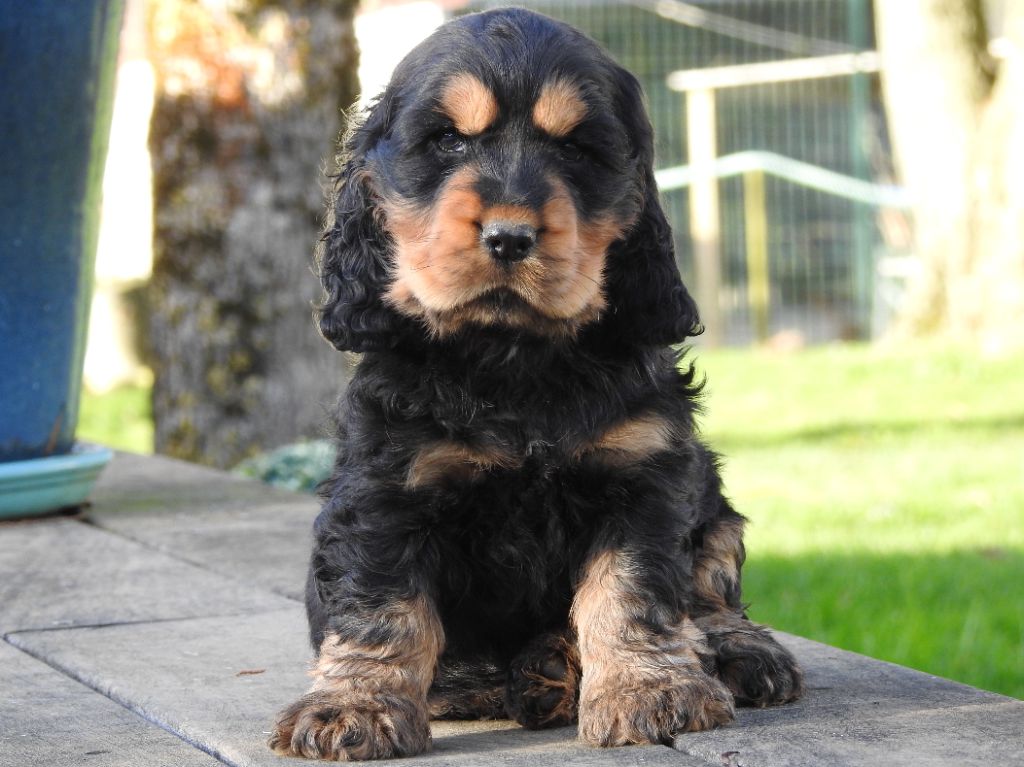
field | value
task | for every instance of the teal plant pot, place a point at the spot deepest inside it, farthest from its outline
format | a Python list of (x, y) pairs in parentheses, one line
[(42, 485), (59, 60)]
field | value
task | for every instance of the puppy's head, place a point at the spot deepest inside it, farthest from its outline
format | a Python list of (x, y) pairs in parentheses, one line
[(504, 178)]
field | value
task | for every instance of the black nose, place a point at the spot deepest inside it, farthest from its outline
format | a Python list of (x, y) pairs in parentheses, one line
[(508, 242)]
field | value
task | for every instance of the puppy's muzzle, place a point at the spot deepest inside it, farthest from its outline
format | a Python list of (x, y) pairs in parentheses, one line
[(508, 242)]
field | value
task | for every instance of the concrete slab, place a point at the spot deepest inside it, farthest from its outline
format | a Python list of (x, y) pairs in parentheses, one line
[(264, 545), (151, 484), (220, 682), (50, 719), (981, 735), (239, 528), (482, 744), (64, 572), (841, 684), (858, 711)]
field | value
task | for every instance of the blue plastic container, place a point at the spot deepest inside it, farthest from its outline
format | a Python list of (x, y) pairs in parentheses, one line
[(58, 59)]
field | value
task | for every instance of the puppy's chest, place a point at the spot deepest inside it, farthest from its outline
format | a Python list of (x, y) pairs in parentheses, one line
[(510, 542), (517, 501), (535, 453)]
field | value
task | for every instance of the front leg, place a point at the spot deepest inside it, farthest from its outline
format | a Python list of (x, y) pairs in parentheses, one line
[(749, 661), (370, 682), (643, 676), (375, 626)]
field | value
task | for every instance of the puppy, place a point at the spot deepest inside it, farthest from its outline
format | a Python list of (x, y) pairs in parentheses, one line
[(522, 520)]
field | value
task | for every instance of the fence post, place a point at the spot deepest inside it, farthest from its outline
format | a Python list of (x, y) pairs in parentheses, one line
[(755, 218), (701, 126)]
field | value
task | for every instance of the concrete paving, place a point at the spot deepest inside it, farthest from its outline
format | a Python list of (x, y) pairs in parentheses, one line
[(163, 625), (49, 718)]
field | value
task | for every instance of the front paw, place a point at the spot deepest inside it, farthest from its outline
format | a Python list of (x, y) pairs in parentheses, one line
[(624, 711), (325, 725)]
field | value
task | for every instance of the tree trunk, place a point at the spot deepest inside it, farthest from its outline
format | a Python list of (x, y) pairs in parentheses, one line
[(958, 132), (248, 108), (994, 295), (934, 83)]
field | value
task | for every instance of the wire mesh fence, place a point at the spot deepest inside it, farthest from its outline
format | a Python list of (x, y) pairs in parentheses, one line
[(821, 245)]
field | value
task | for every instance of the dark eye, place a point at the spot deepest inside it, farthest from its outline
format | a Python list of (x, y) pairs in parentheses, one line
[(450, 141), (571, 151)]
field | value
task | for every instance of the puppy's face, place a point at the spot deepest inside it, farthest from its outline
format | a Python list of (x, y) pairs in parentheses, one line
[(506, 172)]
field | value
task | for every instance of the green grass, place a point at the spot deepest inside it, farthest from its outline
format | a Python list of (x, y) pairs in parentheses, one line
[(885, 492), (120, 419), (884, 489)]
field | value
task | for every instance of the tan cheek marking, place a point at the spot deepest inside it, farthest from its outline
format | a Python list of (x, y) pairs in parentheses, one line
[(561, 223), (631, 441), (567, 281), (469, 104), (559, 108), (450, 460), (597, 236), (437, 253)]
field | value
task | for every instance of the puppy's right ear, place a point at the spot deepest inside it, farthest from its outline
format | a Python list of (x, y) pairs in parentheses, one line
[(354, 255)]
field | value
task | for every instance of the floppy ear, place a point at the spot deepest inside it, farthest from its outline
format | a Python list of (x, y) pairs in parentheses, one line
[(647, 301), (353, 257)]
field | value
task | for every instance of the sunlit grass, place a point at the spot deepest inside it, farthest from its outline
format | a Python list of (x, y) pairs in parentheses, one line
[(885, 492)]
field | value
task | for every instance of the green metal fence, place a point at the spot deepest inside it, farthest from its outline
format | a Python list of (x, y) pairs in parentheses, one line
[(819, 142)]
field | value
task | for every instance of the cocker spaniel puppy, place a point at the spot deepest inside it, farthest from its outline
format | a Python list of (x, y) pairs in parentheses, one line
[(522, 520)]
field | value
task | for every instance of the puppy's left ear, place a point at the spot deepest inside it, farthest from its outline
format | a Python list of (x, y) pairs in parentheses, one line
[(647, 301)]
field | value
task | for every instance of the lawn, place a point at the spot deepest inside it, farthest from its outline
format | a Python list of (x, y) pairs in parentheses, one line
[(884, 488), (885, 493)]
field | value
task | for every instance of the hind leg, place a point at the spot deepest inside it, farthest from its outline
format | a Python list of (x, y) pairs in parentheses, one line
[(757, 670), (544, 682)]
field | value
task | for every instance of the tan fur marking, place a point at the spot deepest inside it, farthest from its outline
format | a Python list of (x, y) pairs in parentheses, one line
[(512, 214), (638, 686), (469, 104), (719, 561), (632, 441), (368, 701), (405, 665), (438, 255), (559, 108), (604, 613), (444, 460), (569, 275), (442, 272)]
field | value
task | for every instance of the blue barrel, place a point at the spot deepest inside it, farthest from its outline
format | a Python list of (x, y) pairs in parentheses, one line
[(58, 59)]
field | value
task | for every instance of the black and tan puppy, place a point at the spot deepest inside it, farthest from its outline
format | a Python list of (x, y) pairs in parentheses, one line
[(522, 520)]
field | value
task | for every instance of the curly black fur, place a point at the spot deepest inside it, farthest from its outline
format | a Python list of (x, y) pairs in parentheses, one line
[(555, 449)]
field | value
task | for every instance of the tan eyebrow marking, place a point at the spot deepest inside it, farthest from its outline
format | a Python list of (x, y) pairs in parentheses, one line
[(559, 108), (469, 104)]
